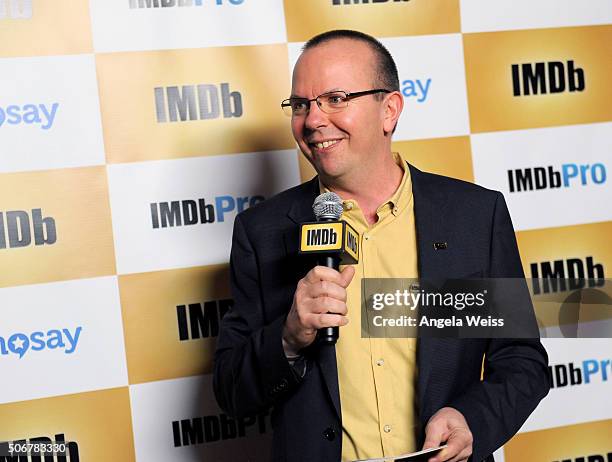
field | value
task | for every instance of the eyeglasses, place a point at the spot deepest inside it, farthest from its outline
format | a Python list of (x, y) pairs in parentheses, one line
[(333, 101)]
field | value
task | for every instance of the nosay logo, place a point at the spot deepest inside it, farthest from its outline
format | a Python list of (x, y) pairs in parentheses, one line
[(29, 114), (191, 212), (417, 88), (171, 3), (546, 77), (19, 343), (197, 102), (15, 9), (528, 179)]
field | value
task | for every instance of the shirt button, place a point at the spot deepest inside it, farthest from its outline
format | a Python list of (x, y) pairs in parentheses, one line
[(348, 205), (395, 210), (380, 362), (387, 428), (366, 236)]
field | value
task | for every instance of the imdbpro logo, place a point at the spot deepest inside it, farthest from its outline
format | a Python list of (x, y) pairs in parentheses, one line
[(15, 9), (172, 3), (584, 373), (19, 343), (211, 428), (192, 212), (528, 179)]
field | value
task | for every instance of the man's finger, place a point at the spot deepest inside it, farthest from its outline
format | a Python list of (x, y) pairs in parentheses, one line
[(458, 447), (447, 454), (327, 305), (327, 288), (347, 275), (323, 273), (330, 320), (432, 439)]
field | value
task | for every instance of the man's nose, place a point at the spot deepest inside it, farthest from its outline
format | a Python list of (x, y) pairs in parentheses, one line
[(316, 117)]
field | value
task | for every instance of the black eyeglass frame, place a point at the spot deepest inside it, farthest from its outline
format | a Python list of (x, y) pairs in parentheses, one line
[(287, 102)]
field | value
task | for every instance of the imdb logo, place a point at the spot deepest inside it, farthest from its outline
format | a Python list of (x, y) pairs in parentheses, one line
[(586, 442), (201, 320), (214, 100), (179, 311), (380, 18), (58, 231), (363, 2), (74, 423), (15, 9), (43, 28), (538, 77), (18, 228), (197, 102), (542, 78)]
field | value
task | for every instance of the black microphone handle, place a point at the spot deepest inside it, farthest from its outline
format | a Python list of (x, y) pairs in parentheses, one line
[(329, 335)]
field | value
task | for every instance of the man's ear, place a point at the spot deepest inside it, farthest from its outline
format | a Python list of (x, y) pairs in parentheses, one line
[(393, 105)]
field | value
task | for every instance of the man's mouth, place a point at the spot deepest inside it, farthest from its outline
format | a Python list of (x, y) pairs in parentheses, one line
[(323, 144)]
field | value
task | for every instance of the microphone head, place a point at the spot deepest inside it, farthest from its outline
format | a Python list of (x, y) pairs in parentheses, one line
[(327, 206)]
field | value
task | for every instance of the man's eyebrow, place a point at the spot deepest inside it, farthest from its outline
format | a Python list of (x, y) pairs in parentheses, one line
[(325, 92)]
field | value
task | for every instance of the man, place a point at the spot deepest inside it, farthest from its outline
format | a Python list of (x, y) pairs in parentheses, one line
[(357, 400)]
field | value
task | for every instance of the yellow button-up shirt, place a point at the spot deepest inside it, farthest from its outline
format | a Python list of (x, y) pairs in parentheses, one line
[(377, 376)]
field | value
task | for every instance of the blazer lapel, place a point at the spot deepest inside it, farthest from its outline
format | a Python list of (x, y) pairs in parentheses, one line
[(429, 213)]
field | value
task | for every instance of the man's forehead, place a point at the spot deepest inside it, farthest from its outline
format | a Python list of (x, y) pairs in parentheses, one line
[(334, 64), (337, 49)]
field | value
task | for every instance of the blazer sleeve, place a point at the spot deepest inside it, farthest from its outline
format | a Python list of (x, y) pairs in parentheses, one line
[(251, 372), (515, 370)]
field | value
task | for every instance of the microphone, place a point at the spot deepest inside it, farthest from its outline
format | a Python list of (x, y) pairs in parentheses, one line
[(328, 207), (334, 242)]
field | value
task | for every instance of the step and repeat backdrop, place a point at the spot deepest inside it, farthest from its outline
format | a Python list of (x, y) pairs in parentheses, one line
[(133, 131)]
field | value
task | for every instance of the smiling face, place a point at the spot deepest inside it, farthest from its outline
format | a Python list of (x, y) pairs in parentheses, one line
[(346, 144)]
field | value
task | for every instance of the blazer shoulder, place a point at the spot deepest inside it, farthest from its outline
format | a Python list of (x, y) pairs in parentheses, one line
[(279, 204), (451, 187)]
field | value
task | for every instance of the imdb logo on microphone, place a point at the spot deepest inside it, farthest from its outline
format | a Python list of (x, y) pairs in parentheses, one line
[(59, 230), (178, 311), (538, 78), (30, 27), (587, 442), (214, 100), (380, 18)]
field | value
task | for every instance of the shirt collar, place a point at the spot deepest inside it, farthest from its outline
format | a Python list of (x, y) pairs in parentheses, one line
[(401, 198)]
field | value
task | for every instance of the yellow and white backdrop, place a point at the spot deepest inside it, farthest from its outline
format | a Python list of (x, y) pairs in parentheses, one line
[(133, 131)]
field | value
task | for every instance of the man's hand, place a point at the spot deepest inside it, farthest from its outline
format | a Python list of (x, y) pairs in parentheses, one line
[(449, 426), (319, 301)]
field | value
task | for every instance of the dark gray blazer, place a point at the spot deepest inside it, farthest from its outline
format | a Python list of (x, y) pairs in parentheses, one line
[(252, 375)]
